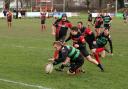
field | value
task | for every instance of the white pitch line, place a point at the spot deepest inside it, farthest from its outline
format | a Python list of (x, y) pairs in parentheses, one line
[(24, 84)]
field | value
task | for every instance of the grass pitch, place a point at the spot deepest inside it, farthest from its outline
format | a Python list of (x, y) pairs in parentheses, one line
[(24, 52)]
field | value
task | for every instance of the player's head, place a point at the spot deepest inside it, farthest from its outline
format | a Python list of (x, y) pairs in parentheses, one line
[(79, 24), (57, 45), (107, 14), (89, 12), (106, 32), (64, 17), (74, 30)]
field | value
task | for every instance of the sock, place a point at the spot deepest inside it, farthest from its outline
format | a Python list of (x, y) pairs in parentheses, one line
[(101, 67), (97, 57)]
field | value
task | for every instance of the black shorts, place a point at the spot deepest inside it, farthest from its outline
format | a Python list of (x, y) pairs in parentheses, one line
[(107, 26), (84, 51), (9, 20), (98, 46), (90, 20), (74, 65), (42, 21), (98, 26), (90, 44), (124, 18), (61, 35)]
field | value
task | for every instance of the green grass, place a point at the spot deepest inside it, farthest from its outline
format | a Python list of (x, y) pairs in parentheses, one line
[(24, 52)]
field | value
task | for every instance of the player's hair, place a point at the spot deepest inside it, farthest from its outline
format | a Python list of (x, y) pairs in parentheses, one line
[(74, 28), (80, 22), (58, 43)]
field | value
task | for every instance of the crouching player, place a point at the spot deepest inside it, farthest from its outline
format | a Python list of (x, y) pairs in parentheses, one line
[(68, 54), (79, 43)]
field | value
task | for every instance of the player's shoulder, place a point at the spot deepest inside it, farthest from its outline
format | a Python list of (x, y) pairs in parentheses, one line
[(68, 21), (58, 20), (64, 49)]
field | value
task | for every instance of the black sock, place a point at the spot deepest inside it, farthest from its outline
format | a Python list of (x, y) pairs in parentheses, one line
[(100, 66)]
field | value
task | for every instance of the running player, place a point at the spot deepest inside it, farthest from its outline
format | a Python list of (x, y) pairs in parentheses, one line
[(81, 27), (87, 33), (9, 19), (79, 43), (60, 28), (125, 16), (99, 44), (107, 21), (68, 54), (98, 22)]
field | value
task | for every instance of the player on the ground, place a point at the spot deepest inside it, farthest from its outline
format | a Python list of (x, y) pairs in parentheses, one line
[(9, 17), (98, 22), (43, 19), (68, 54), (80, 43), (60, 28)]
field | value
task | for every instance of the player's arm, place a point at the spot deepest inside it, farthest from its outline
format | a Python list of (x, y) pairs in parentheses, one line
[(81, 42), (62, 56), (110, 20), (53, 30), (94, 21), (110, 43), (55, 24), (69, 38)]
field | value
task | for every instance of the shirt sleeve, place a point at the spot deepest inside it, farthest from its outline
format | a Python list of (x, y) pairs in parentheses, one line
[(110, 43), (62, 56), (88, 31)]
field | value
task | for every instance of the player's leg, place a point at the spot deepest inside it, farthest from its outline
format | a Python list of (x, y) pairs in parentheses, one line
[(90, 59), (75, 66), (103, 54)]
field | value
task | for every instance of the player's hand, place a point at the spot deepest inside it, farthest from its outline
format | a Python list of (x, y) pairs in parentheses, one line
[(76, 45), (51, 59), (94, 42), (111, 54), (53, 33)]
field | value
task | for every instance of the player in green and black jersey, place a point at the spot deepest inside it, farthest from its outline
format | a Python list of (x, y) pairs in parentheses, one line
[(107, 21), (68, 54)]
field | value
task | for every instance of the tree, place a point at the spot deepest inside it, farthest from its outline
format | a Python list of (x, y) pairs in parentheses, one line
[(100, 4), (7, 4), (21, 3), (88, 3), (121, 3)]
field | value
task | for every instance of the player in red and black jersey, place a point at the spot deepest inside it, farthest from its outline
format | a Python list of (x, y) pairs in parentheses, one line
[(60, 28), (81, 27), (9, 19), (80, 43), (98, 22), (87, 33), (43, 19)]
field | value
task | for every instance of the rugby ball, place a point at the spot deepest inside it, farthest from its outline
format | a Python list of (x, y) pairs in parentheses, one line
[(49, 68)]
